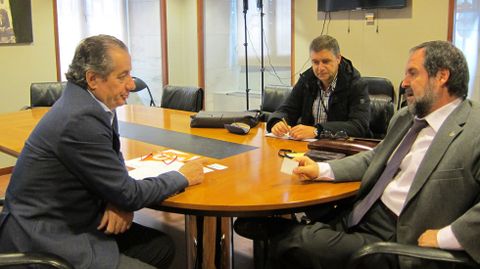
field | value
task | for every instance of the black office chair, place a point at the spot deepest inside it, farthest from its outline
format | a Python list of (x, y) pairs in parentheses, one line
[(440, 256), (14, 259), (50, 260), (141, 85), (45, 93), (273, 97), (182, 98), (402, 100), (382, 106)]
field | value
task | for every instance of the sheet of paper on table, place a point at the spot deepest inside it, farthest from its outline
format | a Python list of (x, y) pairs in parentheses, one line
[(152, 165)]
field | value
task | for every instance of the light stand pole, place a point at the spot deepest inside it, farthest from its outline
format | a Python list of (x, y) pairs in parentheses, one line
[(262, 69), (245, 9)]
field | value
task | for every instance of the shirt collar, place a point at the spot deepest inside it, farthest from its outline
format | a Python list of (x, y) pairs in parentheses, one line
[(332, 85), (437, 117), (110, 113)]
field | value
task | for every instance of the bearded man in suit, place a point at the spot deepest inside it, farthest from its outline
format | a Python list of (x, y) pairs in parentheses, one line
[(428, 195)]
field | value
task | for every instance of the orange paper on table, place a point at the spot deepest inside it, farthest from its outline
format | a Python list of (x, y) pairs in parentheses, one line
[(169, 156)]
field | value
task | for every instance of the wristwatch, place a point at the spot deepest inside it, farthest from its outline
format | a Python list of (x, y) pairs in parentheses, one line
[(315, 132)]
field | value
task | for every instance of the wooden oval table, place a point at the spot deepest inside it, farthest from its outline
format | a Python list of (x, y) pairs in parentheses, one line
[(251, 185)]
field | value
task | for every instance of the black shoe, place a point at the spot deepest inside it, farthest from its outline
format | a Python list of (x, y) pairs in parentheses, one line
[(261, 228)]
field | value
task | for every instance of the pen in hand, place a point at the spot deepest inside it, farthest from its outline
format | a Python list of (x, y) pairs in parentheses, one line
[(286, 124)]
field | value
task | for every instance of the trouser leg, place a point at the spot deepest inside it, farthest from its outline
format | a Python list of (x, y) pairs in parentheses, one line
[(330, 246), (127, 262), (147, 245)]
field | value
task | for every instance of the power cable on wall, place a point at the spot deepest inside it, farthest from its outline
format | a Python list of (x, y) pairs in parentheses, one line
[(378, 17), (348, 28)]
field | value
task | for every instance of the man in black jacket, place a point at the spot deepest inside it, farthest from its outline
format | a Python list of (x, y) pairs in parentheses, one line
[(329, 96)]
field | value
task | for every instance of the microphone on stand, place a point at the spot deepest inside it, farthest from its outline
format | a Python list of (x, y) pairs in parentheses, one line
[(245, 5)]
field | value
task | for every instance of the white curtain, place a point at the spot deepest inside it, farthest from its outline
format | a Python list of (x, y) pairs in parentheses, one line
[(225, 51), (135, 22), (78, 19), (467, 38), (276, 24)]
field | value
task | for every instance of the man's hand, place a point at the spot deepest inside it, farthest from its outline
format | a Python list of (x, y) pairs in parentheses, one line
[(428, 239), (280, 128), (115, 221), (307, 168), (301, 131), (193, 171)]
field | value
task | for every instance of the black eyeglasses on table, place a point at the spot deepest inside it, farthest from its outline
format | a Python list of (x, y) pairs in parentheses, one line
[(340, 135), (285, 153)]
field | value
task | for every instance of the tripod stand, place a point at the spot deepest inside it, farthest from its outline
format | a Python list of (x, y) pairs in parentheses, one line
[(245, 44)]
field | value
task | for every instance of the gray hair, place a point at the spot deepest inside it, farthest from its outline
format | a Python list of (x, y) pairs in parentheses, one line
[(93, 54), (443, 55), (325, 42)]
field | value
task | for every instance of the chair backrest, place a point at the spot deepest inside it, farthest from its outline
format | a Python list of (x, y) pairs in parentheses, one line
[(382, 105), (182, 98), (139, 86), (402, 101), (273, 97), (380, 86), (45, 93)]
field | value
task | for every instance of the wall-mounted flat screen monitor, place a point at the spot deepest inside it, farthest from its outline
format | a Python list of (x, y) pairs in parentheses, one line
[(337, 5)]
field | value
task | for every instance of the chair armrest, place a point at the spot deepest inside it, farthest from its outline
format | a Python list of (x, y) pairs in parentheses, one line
[(10, 259), (433, 254)]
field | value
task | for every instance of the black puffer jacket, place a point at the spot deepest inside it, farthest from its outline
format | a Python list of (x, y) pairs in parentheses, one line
[(348, 109)]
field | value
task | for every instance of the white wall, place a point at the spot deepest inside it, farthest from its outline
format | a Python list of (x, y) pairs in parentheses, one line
[(182, 42)]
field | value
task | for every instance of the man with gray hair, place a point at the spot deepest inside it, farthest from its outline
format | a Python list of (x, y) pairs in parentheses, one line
[(420, 185), (70, 192), (329, 96)]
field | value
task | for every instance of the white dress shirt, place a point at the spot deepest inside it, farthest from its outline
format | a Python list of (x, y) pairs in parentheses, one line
[(111, 113), (396, 191)]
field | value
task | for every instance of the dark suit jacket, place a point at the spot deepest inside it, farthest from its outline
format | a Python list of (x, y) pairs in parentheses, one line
[(348, 108), (446, 188), (69, 169)]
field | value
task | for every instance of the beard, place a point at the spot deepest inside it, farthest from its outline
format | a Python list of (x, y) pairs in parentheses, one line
[(421, 106)]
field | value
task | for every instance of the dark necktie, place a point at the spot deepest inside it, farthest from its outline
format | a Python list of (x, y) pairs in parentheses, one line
[(116, 139), (361, 208)]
